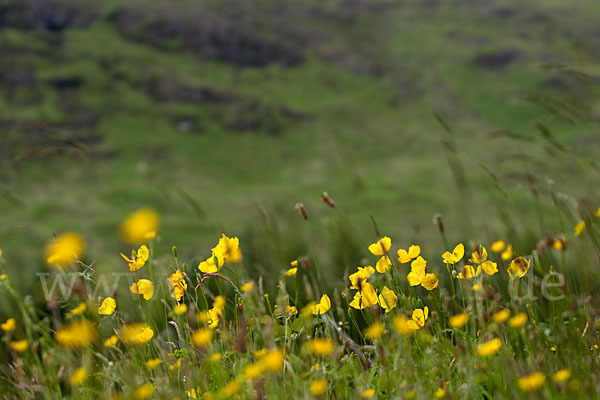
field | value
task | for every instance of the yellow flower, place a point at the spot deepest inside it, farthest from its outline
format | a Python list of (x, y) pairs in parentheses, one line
[(76, 335), (440, 392), (365, 297), (229, 249), (489, 267), (387, 299), (80, 309), (468, 272), (253, 370), (291, 310), (410, 394), (231, 389), (412, 253), (321, 346), (260, 353), (78, 376), (273, 360), (381, 248), (518, 267), (323, 306), (144, 391), (508, 253), (9, 325), (137, 333), (294, 263), (138, 259), (20, 345), (374, 331), (291, 271), (417, 271), (560, 243), (107, 307), (479, 255), (430, 281), (456, 255), (367, 394), (175, 365), (402, 325), (419, 316), (579, 228), (357, 278), (202, 337), (459, 320), (318, 387), (248, 286), (111, 341), (212, 264), (143, 287), (180, 309), (215, 357), (518, 320), (489, 348), (177, 284), (501, 316), (140, 226), (65, 249), (476, 287), (531, 382), (153, 363), (3, 277), (597, 214), (562, 375), (498, 246)]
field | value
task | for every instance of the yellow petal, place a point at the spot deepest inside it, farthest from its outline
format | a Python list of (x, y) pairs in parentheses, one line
[(381, 247)]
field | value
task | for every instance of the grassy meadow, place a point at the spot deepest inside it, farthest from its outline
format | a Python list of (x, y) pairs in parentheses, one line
[(430, 123)]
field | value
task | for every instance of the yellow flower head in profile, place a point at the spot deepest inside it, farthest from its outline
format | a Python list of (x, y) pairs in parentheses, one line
[(291, 310), (111, 341), (579, 228), (19, 346), (76, 335), (518, 320), (318, 387), (489, 267), (107, 307), (136, 334), (212, 264), (140, 226), (418, 318), (229, 249), (405, 256), (498, 246), (143, 392), (508, 253), (323, 306), (468, 272), (479, 255), (143, 287), (501, 316), (9, 325), (202, 337), (292, 271), (387, 299), (137, 260), (518, 267), (153, 363), (456, 255), (177, 284), (531, 382), (65, 249), (381, 248), (562, 375), (180, 309), (459, 320), (321, 346), (78, 376), (489, 348), (374, 331)]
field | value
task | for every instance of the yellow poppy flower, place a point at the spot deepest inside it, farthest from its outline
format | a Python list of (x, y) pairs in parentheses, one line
[(291, 271), (318, 387), (153, 363), (80, 309), (111, 341), (212, 264), (78, 376), (65, 249), (501, 316), (137, 333), (9, 325), (479, 255), (417, 271), (107, 307), (143, 287), (419, 316), (402, 325), (76, 335), (383, 264), (291, 310), (459, 320), (323, 306), (177, 284), (143, 392), (273, 360), (498, 246), (440, 392), (489, 348), (202, 337), (508, 253), (321, 346), (489, 267), (518, 320), (518, 267), (468, 272), (180, 309), (253, 370), (381, 247), (430, 281), (456, 255), (19, 346), (364, 297), (229, 249), (367, 394), (246, 287), (579, 228), (231, 389), (175, 365), (531, 382), (140, 226), (562, 375), (137, 260), (374, 331), (387, 299), (405, 256)]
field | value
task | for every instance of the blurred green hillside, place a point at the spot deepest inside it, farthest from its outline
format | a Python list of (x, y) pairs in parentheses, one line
[(222, 115)]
